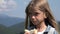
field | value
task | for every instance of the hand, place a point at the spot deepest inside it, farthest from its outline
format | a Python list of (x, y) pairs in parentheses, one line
[(27, 32), (34, 31)]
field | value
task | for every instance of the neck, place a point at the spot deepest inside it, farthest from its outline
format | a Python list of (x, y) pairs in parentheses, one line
[(41, 27)]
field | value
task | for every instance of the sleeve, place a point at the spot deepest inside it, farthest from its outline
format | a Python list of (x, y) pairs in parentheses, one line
[(55, 32), (52, 31)]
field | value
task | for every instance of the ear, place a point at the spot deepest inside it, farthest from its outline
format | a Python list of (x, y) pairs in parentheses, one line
[(45, 15)]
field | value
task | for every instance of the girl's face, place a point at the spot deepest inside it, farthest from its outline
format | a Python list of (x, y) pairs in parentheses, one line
[(37, 17)]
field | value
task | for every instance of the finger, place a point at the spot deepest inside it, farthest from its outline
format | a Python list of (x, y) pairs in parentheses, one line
[(26, 33)]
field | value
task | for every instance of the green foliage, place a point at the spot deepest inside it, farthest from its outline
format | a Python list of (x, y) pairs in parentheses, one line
[(5, 30), (15, 29)]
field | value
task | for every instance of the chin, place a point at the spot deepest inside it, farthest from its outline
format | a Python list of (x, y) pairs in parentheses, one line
[(36, 24)]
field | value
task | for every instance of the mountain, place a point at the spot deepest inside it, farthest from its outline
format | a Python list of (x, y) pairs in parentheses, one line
[(9, 21), (15, 29), (5, 30), (18, 28)]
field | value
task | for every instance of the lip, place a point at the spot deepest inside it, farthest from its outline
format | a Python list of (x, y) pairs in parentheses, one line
[(33, 21)]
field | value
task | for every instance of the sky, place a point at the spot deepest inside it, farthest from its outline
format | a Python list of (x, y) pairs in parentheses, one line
[(16, 8)]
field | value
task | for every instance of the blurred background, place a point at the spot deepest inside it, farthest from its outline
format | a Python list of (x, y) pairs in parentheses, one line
[(12, 15)]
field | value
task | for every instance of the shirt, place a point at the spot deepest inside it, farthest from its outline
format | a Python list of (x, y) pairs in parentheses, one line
[(49, 30)]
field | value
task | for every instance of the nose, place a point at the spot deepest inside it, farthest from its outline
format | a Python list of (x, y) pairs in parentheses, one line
[(33, 17)]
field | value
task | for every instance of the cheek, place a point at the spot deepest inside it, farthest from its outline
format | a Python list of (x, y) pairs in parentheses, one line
[(40, 17)]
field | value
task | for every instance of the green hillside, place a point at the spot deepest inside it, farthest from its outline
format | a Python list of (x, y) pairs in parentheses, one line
[(5, 30), (17, 28)]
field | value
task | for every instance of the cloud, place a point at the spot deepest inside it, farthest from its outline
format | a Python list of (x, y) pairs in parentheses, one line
[(26, 2), (7, 5)]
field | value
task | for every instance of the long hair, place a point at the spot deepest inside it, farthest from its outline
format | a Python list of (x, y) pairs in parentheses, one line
[(43, 6)]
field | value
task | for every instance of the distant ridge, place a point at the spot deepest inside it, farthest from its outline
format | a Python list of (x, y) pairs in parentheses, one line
[(9, 21)]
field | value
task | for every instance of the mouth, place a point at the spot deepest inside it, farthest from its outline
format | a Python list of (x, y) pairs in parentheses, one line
[(33, 21)]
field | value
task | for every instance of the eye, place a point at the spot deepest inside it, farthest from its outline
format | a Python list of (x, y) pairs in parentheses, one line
[(36, 14), (33, 14), (29, 14)]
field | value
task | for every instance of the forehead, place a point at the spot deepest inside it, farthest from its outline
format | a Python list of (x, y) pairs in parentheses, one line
[(33, 10)]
